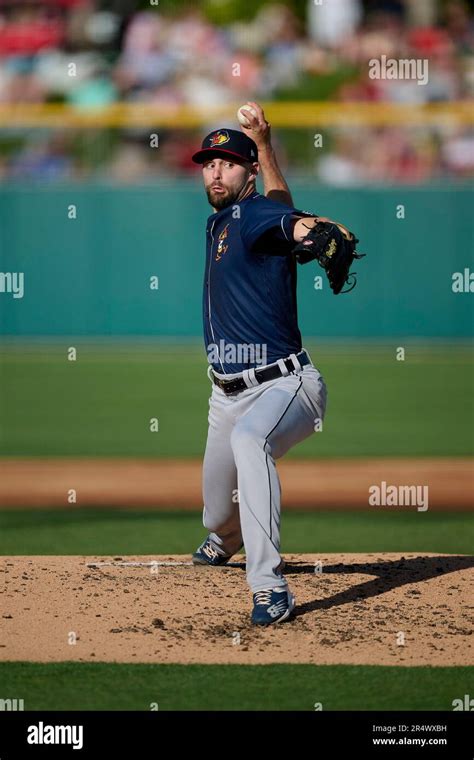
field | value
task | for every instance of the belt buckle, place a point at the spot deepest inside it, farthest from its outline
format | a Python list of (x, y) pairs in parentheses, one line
[(222, 384)]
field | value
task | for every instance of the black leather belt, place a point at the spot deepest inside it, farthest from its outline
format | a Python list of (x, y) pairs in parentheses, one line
[(262, 375)]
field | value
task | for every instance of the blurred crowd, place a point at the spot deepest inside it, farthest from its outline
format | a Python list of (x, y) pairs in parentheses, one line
[(130, 51)]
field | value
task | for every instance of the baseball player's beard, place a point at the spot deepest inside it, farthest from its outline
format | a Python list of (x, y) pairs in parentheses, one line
[(221, 200)]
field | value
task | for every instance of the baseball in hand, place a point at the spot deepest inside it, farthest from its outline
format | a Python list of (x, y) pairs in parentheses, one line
[(241, 116)]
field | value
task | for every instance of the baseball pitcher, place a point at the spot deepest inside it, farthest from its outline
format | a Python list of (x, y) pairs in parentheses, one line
[(267, 395)]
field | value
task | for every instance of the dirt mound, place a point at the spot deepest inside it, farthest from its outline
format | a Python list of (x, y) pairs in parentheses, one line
[(377, 609)]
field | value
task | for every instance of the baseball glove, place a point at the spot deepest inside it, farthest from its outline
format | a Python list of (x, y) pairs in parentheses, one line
[(334, 248)]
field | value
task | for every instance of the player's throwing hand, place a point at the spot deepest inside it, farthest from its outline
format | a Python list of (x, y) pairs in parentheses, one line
[(259, 129)]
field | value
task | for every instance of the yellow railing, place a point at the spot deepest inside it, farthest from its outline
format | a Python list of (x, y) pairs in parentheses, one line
[(310, 115)]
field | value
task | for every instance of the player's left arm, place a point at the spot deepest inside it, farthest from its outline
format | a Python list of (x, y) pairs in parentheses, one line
[(331, 244), (304, 224), (275, 186)]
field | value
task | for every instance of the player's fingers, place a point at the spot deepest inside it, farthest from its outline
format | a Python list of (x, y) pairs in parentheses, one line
[(257, 107), (251, 117), (259, 110)]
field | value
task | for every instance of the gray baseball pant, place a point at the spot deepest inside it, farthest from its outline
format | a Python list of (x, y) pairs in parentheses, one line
[(248, 431)]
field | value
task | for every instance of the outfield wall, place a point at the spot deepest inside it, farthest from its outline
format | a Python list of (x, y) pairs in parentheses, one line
[(91, 275)]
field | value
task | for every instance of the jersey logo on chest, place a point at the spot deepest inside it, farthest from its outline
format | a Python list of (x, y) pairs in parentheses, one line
[(221, 247)]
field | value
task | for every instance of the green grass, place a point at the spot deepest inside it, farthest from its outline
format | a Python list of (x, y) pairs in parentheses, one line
[(120, 531), (103, 686), (101, 404)]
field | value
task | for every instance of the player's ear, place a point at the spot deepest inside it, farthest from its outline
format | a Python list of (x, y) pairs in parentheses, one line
[(254, 168)]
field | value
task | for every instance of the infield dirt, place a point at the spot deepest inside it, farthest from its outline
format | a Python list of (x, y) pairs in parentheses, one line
[(306, 484), (370, 609)]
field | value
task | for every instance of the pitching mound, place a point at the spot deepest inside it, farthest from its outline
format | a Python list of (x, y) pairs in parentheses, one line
[(372, 609)]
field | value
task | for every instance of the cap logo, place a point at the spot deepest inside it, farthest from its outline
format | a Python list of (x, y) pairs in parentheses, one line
[(219, 138)]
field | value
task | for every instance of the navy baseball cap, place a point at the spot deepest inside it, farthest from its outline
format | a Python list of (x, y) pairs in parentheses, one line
[(225, 143)]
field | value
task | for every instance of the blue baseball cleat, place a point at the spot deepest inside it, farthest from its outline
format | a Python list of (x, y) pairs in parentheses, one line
[(206, 554), (272, 605)]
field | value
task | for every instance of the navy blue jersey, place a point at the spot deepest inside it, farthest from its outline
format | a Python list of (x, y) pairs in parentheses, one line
[(249, 301)]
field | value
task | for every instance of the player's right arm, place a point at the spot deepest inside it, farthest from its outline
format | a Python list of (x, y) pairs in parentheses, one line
[(275, 186)]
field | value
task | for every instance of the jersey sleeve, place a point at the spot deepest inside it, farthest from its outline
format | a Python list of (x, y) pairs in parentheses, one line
[(268, 221), (260, 217)]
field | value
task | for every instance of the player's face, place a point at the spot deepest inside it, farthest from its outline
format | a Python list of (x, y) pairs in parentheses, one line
[(224, 181)]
